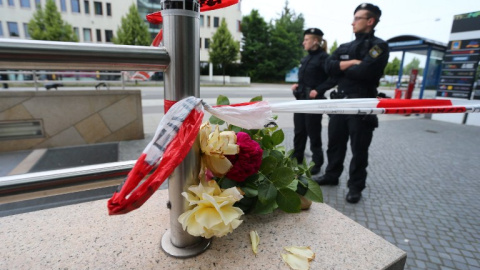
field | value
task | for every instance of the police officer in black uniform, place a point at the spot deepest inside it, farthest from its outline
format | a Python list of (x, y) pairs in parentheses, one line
[(312, 84), (358, 66)]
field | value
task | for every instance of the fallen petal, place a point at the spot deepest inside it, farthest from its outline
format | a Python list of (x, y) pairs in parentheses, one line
[(296, 262), (302, 251), (255, 241)]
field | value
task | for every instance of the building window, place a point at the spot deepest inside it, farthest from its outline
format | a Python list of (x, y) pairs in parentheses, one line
[(75, 6), (200, 43), (38, 3), (87, 35), (202, 21), (98, 8), (63, 5), (216, 22), (11, 3), (25, 28), (99, 35), (207, 43), (1, 29), (25, 3), (13, 29), (109, 9), (239, 26), (108, 35), (208, 21), (86, 3), (77, 33)]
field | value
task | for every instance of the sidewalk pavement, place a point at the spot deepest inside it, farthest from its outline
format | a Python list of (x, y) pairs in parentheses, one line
[(421, 190)]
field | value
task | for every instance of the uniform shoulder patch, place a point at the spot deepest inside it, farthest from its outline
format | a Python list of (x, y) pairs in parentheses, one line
[(375, 51)]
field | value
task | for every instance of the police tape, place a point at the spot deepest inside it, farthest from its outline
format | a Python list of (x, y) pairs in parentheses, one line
[(377, 106), (180, 125)]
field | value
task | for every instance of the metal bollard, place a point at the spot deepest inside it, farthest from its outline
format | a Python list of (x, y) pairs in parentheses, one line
[(182, 79)]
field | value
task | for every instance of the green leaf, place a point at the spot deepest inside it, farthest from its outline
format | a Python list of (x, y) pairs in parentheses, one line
[(278, 137), (222, 100), (215, 120), (267, 142), (293, 185), (227, 183), (266, 192), (277, 154), (261, 208), (280, 148), (257, 98), (282, 177), (268, 165), (234, 128), (290, 153), (250, 192), (314, 192), (288, 200), (250, 181), (247, 203), (302, 185)]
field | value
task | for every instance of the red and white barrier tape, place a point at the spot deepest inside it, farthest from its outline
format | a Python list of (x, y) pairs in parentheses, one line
[(179, 127), (377, 106)]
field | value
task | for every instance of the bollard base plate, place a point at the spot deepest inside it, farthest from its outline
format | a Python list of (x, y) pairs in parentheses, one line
[(186, 252)]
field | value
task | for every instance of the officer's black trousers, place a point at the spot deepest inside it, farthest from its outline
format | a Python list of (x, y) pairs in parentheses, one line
[(340, 128), (308, 125)]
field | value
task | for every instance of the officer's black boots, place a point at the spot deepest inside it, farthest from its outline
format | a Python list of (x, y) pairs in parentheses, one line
[(323, 180), (353, 196), (315, 169)]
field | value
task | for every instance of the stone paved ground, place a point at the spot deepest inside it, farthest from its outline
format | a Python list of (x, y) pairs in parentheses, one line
[(422, 191)]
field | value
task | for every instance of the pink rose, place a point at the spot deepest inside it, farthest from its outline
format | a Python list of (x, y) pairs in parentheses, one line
[(247, 161)]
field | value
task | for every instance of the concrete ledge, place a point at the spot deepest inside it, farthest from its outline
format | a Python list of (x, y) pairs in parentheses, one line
[(72, 117), (83, 236)]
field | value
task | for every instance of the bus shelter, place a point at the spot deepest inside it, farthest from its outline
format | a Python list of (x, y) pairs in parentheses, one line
[(433, 50)]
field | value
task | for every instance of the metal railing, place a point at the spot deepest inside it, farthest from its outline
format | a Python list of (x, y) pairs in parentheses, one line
[(51, 55), (44, 78), (182, 79)]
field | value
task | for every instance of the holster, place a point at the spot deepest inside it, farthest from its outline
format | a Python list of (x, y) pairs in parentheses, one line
[(302, 92)]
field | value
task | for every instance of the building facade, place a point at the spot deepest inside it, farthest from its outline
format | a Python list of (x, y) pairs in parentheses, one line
[(96, 21)]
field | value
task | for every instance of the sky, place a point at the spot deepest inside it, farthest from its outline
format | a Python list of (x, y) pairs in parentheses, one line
[(431, 19)]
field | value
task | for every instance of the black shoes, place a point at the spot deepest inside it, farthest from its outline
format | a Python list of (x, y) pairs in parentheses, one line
[(353, 196), (324, 181), (314, 170)]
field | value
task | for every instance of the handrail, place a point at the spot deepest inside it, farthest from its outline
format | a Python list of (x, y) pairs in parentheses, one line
[(55, 55), (38, 181), (16, 54)]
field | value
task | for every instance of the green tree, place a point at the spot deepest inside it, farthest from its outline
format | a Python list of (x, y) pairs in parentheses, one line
[(333, 47), (393, 68), (133, 30), (414, 64), (223, 48), (286, 43), (48, 25), (256, 40)]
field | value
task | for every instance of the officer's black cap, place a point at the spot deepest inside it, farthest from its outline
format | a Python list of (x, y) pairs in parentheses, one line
[(313, 31), (372, 8)]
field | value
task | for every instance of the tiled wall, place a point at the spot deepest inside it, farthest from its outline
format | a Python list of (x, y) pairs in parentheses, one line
[(73, 117)]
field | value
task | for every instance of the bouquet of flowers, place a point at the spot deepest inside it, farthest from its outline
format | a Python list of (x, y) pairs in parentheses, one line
[(244, 171)]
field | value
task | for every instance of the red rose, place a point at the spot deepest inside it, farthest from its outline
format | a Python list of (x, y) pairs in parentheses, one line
[(247, 161)]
